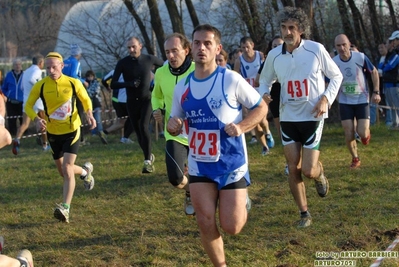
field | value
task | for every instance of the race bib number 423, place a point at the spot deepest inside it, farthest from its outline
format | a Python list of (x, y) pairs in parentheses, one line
[(204, 145)]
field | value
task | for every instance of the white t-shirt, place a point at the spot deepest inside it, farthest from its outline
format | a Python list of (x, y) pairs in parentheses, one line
[(302, 76)]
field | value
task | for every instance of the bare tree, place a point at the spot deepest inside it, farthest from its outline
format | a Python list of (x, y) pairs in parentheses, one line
[(174, 15), (192, 13), (147, 41)]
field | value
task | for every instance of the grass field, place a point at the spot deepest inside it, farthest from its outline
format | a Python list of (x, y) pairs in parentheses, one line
[(131, 219)]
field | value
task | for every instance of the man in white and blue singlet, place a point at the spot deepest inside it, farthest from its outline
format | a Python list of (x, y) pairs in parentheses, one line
[(301, 67), (353, 95), (208, 103), (248, 64)]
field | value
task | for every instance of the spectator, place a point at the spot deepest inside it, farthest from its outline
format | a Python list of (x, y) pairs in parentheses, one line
[(13, 90), (93, 90)]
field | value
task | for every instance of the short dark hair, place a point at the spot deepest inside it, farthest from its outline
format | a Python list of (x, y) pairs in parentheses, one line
[(209, 28), (90, 73), (245, 39), (36, 59)]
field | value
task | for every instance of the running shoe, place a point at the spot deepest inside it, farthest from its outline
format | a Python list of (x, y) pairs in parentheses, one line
[(46, 148), (15, 146), (248, 204), (321, 183), (88, 180), (253, 140), (270, 140), (355, 163), (61, 213), (25, 258), (304, 222), (357, 137), (286, 170), (188, 206), (1, 244), (265, 151), (366, 140), (103, 137), (125, 140)]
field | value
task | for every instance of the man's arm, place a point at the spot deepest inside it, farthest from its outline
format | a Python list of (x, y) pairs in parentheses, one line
[(252, 119), (5, 137)]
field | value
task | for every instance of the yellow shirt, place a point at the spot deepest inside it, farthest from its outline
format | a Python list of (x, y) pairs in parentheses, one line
[(61, 113)]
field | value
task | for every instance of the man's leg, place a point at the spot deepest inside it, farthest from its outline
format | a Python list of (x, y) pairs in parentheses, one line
[(350, 141), (292, 153), (232, 210), (67, 166), (204, 197), (44, 135)]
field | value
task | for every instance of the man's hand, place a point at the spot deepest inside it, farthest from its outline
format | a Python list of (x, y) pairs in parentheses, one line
[(157, 115), (175, 124), (41, 125), (267, 98), (233, 129), (321, 107)]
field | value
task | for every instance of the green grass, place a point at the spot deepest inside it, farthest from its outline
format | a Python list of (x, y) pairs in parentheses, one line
[(131, 219)]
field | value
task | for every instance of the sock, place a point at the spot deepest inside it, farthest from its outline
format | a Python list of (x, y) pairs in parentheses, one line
[(305, 214), (84, 173), (66, 206)]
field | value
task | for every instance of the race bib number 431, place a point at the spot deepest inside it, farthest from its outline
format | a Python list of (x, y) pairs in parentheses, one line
[(204, 145), (298, 90)]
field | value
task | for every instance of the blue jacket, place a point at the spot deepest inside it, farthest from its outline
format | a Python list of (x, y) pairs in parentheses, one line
[(390, 68), (72, 68), (12, 88)]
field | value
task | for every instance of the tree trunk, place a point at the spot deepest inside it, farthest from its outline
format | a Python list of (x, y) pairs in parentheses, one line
[(140, 24), (343, 11), (193, 13), (175, 16), (392, 14), (375, 25), (250, 15), (156, 25)]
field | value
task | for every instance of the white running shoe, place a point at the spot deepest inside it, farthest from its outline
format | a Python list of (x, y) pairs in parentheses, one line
[(125, 140), (61, 213), (25, 258), (88, 180)]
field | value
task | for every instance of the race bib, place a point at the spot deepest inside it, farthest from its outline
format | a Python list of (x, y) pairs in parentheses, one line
[(351, 88), (297, 90), (63, 112), (204, 145)]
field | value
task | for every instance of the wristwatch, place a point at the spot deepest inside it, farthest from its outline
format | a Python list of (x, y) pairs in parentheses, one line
[(376, 92)]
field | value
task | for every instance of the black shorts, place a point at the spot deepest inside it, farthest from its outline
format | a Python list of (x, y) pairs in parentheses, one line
[(64, 143), (358, 111), (120, 109), (308, 133), (242, 183), (274, 106)]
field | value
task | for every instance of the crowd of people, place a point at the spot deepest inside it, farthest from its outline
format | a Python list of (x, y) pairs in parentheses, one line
[(207, 101)]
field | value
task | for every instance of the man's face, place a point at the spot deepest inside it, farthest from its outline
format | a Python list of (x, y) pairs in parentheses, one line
[(342, 46), (395, 43), (54, 68), (221, 61), (175, 53), (247, 48), (17, 66), (276, 42), (291, 33), (205, 48), (134, 48), (382, 49)]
